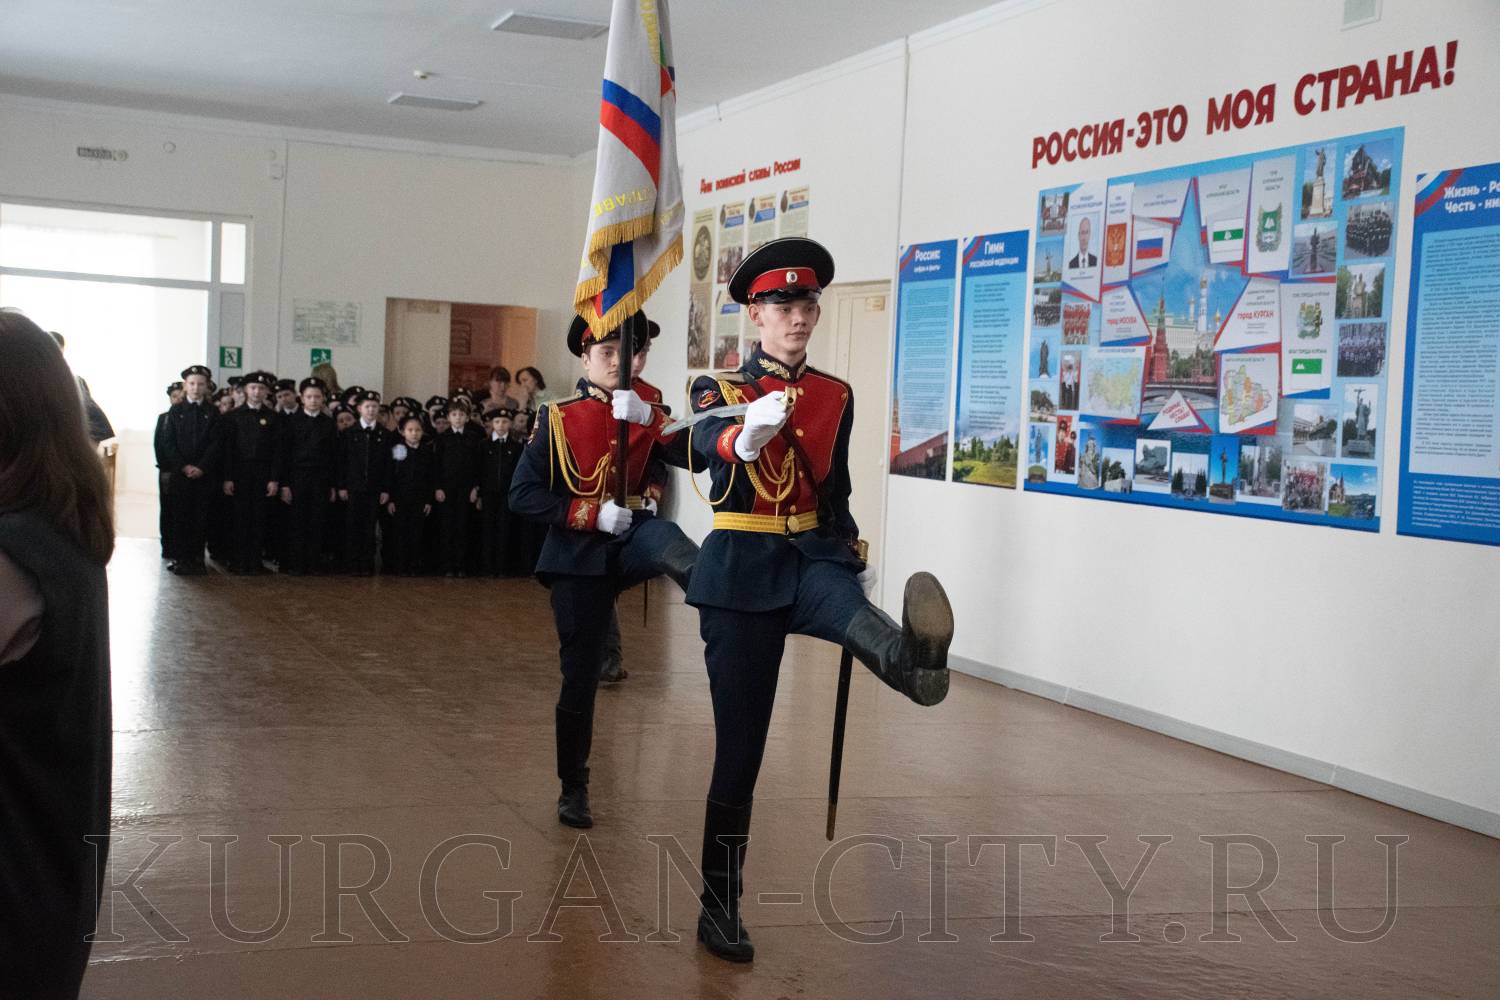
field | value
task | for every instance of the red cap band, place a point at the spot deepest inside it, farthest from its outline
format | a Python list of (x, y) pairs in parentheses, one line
[(784, 277)]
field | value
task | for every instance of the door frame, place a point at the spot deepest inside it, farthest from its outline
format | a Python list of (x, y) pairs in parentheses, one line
[(839, 301)]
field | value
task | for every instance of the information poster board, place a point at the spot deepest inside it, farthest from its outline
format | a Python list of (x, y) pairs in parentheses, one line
[(1215, 336), (991, 332), (700, 287), (1450, 428), (325, 322), (924, 356)]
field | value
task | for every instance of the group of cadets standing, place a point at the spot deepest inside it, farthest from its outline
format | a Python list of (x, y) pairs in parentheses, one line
[(272, 471)]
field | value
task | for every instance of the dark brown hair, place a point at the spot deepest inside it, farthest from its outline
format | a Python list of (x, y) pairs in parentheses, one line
[(500, 373), (47, 462)]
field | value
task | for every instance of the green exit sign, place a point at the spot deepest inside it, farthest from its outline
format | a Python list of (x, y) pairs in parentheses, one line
[(322, 356), (229, 357)]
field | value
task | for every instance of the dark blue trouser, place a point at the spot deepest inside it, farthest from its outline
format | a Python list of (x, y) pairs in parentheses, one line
[(583, 606), (744, 662)]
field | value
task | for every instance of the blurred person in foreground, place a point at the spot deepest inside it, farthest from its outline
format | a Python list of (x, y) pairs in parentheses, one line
[(56, 535)]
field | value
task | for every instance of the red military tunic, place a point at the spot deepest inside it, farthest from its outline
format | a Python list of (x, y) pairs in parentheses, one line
[(794, 496)]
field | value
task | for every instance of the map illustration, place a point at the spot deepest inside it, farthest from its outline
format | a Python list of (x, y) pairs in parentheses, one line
[(1248, 392), (1113, 383)]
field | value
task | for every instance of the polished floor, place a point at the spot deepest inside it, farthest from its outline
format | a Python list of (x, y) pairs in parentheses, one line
[(366, 724)]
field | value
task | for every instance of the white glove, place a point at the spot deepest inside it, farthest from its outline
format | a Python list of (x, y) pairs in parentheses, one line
[(648, 505), (867, 578), (763, 420), (614, 519), (630, 407)]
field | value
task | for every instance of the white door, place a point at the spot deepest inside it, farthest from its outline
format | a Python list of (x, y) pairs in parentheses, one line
[(854, 343)]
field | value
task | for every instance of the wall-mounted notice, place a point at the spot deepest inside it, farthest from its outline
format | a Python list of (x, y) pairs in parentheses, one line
[(319, 321), (924, 355), (700, 287), (1450, 431), (1214, 336), (728, 317), (762, 220), (991, 327), (795, 203), (727, 313)]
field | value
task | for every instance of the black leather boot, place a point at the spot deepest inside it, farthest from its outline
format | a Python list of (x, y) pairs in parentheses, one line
[(911, 657), (677, 560), (726, 834), (574, 734)]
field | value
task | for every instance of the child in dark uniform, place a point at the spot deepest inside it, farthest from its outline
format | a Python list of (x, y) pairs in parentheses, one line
[(500, 456), (413, 480), (478, 434), (309, 449), (458, 459), (164, 473)]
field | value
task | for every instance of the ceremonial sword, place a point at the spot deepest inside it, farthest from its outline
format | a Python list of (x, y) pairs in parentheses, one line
[(733, 410)]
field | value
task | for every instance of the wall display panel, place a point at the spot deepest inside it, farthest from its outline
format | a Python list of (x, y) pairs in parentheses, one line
[(925, 286), (1450, 428), (991, 341), (1215, 336)]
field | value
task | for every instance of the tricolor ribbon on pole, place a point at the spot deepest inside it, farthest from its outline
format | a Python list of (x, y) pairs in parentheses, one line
[(635, 215)]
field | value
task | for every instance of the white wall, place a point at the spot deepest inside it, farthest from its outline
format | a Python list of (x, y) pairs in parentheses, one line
[(365, 225), (1374, 653), (346, 223)]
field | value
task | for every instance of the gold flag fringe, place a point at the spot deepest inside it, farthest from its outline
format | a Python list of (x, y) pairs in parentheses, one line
[(644, 287)]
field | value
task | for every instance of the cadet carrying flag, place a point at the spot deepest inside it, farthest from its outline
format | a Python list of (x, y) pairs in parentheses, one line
[(635, 216)]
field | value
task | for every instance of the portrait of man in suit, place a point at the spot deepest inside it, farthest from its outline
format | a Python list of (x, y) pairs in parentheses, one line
[(1083, 259)]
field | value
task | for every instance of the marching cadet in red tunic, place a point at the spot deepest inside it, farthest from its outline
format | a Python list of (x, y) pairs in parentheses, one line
[(614, 654), (594, 548), (784, 556)]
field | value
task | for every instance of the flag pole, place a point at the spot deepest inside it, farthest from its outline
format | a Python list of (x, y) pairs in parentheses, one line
[(622, 439)]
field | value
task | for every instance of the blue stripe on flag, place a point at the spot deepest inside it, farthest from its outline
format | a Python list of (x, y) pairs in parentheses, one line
[(621, 275), (638, 110)]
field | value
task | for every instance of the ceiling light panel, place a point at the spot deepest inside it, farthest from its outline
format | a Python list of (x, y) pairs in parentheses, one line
[(433, 103), (520, 23)]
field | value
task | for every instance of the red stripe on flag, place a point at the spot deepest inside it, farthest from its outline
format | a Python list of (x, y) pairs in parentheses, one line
[(666, 82), (635, 138)]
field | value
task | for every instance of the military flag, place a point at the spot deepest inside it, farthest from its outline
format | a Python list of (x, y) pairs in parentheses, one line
[(635, 215)]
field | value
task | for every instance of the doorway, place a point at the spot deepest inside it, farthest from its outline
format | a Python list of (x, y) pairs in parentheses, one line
[(137, 297), (858, 318), (433, 347)]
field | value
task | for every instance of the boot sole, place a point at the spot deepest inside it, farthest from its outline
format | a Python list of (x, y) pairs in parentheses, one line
[(587, 824), (927, 620)]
